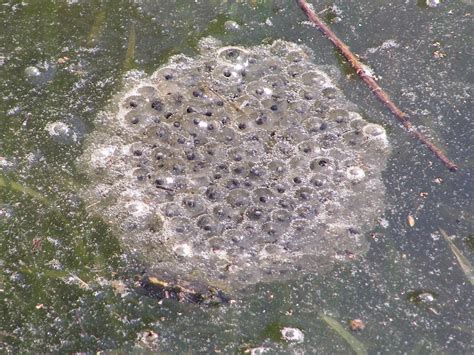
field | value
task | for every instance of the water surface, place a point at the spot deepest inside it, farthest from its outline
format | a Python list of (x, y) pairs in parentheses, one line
[(66, 283)]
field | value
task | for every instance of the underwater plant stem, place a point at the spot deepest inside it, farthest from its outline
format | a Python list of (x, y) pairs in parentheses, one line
[(376, 89)]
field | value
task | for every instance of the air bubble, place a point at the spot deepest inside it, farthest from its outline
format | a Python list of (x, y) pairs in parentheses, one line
[(183, 250), (354, 173), (133, 102), (373, 130)]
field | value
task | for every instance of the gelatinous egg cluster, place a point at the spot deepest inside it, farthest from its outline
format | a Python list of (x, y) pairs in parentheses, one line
[(237, 166)]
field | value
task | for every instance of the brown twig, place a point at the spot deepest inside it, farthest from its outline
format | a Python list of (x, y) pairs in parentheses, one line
[(376, 89)]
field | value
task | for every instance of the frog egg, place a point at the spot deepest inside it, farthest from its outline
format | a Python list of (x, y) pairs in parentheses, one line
[(330, 94), (256, 214), (296, 56), (134, 102), (354, 139), (281, 216), (307, 210), (194, 205), (263, 196), (257, 172), (161, 154), (246, 104), (209, 225), (236, 56), (138, 119), (214, 193), (257, 119), (138, 209), (316, 79), (301, 107), (253, 150), (171, 209), (271, 251), (147, 91), (227, 75), (307, 95), (308, 147), (273, 65), (178, 227), (176, 166), (140, 174), (259, 89), (226, 214), (238, 198), (295, 70), (239, 170), (286, 202), (236, 154), (283, 149), (272, 231), (276, 83), (169, 74), (277, 168), (355, 174), (339, 116), (137, 149), (315, 125), (322, 164), (304, 194), (227, 136), (213, 152), (319, 181)]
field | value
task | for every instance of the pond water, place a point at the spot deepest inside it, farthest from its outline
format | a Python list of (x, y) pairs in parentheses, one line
[(68, 284)]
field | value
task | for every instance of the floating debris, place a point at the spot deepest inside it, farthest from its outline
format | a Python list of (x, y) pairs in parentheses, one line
[(32, 71), (231, 26), (421, 297), (464, 263), (293, 335), (238, 166), (148, 340), (15, 186), (354, 343), (356, 324)]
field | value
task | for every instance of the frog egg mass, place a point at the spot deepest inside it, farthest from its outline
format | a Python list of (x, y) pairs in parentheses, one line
[(238, 166)]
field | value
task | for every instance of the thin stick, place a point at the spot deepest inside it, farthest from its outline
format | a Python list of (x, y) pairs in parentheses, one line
[(376, 89)]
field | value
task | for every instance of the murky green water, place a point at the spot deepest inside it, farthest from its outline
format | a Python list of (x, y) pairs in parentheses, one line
[(65, 283)]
